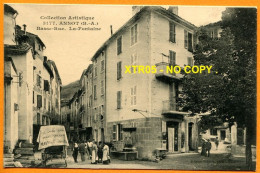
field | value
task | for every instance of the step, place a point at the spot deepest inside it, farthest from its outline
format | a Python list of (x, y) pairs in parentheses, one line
[(26, 151), (27, 145), (8, 164), (8, 159), (23, 161), (8, 155), (26, 157)]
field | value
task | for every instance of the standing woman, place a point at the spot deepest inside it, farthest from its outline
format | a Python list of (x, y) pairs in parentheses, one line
[(100, 152), (94, 153), (75, 152), (106, 158)]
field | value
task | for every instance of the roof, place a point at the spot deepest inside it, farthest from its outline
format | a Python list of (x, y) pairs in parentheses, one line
[(31, 36), (12, 62), (9, 9), (137, 16), (218, 24), (48, 68), (52, 63), (86, 71), (16, 49)]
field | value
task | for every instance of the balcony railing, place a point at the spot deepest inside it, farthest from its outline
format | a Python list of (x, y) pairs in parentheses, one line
[(169, 105), (171, 109), (165, 72)]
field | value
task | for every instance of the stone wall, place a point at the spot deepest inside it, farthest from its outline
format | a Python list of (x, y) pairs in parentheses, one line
[(146, 138)]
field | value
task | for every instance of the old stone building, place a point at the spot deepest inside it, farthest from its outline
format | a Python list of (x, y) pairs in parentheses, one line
[(142, 106), (37, 78)]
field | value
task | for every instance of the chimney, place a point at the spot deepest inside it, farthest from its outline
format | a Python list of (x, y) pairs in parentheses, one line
[(173, 9), (111, 29), (24, 28), (45, 59), (136, 9)]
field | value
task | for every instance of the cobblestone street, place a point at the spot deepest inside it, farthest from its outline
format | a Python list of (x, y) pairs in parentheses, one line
[(219, 160)]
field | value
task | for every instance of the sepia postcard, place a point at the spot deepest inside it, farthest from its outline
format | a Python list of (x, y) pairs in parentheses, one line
[(158, 87)]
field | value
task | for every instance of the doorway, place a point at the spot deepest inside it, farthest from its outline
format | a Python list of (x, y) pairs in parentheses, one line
[(222, 134), (172, 137), (190, 129)]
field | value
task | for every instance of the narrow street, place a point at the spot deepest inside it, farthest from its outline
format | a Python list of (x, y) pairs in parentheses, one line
[(219, 160)]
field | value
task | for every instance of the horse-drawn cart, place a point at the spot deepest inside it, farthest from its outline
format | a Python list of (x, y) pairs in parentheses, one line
[(53, 143)]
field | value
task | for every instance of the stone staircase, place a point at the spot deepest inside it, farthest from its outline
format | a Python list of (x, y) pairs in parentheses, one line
[(25, 154)]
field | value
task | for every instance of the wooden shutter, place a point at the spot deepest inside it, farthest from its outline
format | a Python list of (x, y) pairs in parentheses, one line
[(119, 45), (185, 39), (190, 42), (172, 58), (39, 101), (172, 32), (119, 98), (190, 61), (119, 70)]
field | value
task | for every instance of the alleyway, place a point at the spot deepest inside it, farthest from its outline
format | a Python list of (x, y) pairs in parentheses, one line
[(219, 160)]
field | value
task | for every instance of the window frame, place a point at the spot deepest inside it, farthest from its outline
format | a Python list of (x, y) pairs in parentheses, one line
[(172, 32), (119, 46), (134, 34)]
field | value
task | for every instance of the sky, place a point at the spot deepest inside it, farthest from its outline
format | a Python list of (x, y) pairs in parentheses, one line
[(72, 50)]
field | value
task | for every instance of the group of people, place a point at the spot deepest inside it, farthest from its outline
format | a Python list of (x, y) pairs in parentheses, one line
[(96, 153), (206, 146)]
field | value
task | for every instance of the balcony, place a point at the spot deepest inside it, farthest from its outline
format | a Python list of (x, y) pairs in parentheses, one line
[(171, 110), (165, 73)]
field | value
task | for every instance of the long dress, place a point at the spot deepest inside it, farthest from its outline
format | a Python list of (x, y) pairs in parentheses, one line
[(94, 153), (105, 154)]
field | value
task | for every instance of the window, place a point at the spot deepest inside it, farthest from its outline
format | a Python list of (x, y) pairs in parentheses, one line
[(213, 132), (119, 70), (46, 85), (133, 61), (119, 132), (102, 65), (172, 58), (95, 72), (185, 39), (119, 98), (95, 91), (38, 118), (172, 32), (33, 97), (102, 87), (188, 41), (114, 132), (39, 79), (43, 120), (134, 34), (190, 61), (133, 96), (119, 45), (44, 103), (39, 101)]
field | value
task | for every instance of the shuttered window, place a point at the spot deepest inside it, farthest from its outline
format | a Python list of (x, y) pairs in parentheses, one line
[(133, 96), (172, 32), (190, 61), (102, 87), (46, 85), (95, 91), (39, 101), (119, 45), (172, 57), (185, 39), (119, 98), (134, 34), (114, 132), (119, 70)]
